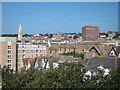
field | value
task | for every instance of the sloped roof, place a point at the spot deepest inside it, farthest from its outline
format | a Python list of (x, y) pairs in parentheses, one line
[(38, 62), (107, 62), (96, 49), (53, 48), (62, 46), (117, 50), (113, 48), (102, 49), (105, 49), (27, 60), (32, 60)]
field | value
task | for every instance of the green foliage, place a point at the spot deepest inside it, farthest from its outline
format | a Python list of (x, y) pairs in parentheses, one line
[(63, 77), (106, 34), (70, 33), (74, 54), (70, 37), (69, 53), (9, 35), (67, 75), (26, 35), (117, 35), (50, 36), (14, 35), (7, 76), (46, 34), (75, 37), (11, 79)]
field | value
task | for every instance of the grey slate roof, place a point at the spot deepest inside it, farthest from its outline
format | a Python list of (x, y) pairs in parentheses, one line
[(117, 50), (106, 62)]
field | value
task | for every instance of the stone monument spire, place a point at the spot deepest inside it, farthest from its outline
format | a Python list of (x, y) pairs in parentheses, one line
[(20, 32)]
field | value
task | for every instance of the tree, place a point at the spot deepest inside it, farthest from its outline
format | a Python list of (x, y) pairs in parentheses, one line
[(81, 55), (46, 34), (75, 37), (117, 35), (26, 35), (9, 35), (11, 79), (50, 36), (70, 37), (7, 76), (75, 54), (67, 75)]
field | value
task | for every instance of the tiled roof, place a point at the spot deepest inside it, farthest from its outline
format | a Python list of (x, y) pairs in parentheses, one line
[(52, 48)]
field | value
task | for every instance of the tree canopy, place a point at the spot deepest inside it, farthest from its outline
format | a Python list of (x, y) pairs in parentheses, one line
[(67, 75)]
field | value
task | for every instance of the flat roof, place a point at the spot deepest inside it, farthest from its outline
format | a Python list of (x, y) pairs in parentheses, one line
[(7, 39)]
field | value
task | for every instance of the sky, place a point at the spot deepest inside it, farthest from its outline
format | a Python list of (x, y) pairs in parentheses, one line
[(0, 18), (53, 17), (119, 16)]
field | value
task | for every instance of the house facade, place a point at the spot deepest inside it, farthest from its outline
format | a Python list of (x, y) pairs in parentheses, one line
[(30, 51), (8, 52)]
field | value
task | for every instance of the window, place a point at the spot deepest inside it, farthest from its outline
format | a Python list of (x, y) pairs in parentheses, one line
[(23, 51), (9, 56), (111, 53), (36, 51), (65, 50), (94, 54), (40, 51), (9, 61), (9, 46), (9, 51), (9, 65), (60, 49)]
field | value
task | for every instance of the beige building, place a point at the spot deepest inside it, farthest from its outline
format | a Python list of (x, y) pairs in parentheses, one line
[(8, 52), (28, 50), (25, 49), (12, 52)]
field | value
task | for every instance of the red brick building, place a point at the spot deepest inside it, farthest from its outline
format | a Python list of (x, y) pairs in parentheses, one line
[(90, 33)]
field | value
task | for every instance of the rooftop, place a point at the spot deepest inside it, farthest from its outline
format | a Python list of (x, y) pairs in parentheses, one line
[(90, 27)]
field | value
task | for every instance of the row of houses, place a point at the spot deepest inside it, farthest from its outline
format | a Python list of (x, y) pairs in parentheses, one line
[(106, 57), (13, 51), (102, 50)]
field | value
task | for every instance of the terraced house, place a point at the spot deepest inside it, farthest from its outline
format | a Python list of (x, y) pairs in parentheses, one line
[(25, 49)]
